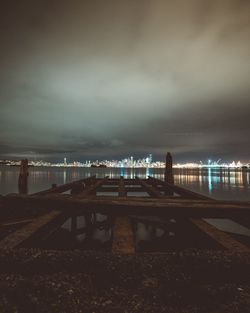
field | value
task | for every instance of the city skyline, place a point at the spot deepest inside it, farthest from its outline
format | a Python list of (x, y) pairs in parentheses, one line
[(131, 162)]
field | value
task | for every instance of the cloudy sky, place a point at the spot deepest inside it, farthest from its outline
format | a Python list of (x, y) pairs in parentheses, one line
[(104, 79)]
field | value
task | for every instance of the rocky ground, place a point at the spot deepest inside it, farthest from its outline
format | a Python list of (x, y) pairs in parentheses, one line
[(34, 281)]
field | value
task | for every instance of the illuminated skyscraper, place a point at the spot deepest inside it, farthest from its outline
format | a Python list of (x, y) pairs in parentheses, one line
[(65, 161)]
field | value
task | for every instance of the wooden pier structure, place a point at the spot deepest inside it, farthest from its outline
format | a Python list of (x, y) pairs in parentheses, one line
[(39, 215), (191, 267)]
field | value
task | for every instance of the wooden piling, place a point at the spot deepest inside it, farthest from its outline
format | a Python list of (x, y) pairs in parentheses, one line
[(169, 178), (23, 177), (121, 189)]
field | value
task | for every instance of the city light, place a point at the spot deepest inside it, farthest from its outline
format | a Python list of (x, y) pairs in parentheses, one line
[(131, 162)]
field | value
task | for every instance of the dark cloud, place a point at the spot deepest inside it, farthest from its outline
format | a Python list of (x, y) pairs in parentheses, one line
[(110, 78)]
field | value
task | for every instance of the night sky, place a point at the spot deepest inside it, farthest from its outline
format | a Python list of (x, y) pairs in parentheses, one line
[(107, 79)]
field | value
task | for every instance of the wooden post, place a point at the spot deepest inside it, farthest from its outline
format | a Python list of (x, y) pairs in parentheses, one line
[(169, 178), (23, 177), (121, 189)]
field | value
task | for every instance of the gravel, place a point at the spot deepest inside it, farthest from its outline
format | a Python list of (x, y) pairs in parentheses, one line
[(33, 280)]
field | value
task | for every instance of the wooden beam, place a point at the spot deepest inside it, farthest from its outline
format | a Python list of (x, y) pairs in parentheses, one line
[(92, 188), (143, 206), (224, 239), (16, 238), (117, 181), (179, 190), (116, 189), (160, 185), (63, 188), (123, 238), (51, 228), (15, 222), (152, 191), (193, 195), (122, 192), (112, 182)]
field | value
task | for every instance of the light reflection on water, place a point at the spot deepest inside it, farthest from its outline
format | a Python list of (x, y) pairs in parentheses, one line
[(90, 231), (217, 183)]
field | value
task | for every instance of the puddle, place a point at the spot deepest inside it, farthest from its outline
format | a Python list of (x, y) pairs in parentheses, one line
[(161, 235), (137, 194), (229, 226), (151, 234), (86, 232), (107, 193)]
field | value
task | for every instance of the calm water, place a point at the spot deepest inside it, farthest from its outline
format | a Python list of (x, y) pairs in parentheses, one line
[(219, 184)]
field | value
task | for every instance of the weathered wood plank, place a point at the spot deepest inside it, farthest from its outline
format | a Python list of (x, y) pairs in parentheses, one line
[(123, 238), (15, 222), (16, 238), (152, 191), (126, 181), (162, 207), (92, 188), (122, 192), (219, 236), (63, 188), (179, 190), (116, 189)]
